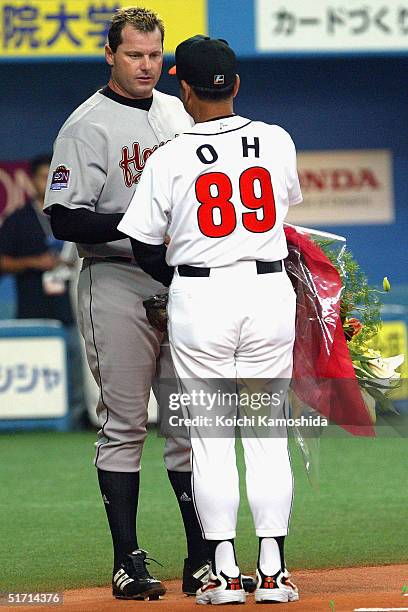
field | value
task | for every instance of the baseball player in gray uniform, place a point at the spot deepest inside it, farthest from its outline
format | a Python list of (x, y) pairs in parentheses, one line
[(222, 193), (99, 156)]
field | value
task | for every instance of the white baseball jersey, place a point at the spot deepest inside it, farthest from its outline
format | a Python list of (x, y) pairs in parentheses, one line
[(221, 191), (100, 154)]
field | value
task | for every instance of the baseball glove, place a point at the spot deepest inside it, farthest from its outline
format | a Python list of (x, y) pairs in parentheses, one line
[(156, 311)]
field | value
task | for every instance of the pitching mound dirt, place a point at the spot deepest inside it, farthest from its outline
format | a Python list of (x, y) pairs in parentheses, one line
[(332, 590)]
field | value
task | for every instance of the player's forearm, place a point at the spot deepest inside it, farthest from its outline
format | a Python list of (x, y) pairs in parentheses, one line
[(152, 259), (17, 265), (83, 226)]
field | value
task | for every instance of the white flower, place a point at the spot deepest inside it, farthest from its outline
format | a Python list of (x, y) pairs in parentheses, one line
[(384, 367)]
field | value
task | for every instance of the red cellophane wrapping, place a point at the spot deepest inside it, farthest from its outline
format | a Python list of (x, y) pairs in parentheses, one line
[(323, 374)]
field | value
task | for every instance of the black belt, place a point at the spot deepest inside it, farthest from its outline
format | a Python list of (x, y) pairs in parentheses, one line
[(114, 259), (262, 267)]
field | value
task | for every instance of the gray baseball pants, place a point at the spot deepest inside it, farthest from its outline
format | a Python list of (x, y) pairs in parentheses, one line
[(126, 357)]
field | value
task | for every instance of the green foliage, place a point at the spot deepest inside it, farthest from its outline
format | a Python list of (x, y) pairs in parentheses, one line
[(358, 298)]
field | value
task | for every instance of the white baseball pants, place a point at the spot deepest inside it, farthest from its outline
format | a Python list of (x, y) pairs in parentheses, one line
[(235, 324)]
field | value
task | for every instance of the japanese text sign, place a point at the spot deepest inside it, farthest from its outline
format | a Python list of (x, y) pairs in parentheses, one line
[(58, 28), (32, 378), (322, 25)]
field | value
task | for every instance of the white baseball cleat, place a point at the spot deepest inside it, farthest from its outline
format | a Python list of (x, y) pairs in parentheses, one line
[(221, 589), (277, 588)]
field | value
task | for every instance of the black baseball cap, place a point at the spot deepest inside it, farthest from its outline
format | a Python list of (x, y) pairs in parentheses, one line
[(205, 62)]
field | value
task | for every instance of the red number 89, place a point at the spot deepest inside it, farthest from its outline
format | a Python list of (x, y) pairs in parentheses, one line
[(222, 201)]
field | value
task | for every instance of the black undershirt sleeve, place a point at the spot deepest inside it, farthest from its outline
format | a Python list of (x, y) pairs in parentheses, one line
[(84, 226), (152, 259)]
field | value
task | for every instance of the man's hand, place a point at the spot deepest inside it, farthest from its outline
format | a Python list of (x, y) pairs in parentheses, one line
[(17, 265), (45, 261)]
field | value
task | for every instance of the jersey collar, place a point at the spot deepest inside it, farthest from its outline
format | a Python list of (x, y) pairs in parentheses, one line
[(141, 104), (219, 126)]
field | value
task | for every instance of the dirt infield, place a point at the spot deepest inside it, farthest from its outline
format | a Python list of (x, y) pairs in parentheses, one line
[(333, 590)]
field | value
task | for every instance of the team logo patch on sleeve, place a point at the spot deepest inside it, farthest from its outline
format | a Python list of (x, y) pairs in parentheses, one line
[(60, 178)]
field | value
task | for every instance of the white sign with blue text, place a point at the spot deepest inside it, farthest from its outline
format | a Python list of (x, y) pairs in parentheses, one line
[(33, 379)]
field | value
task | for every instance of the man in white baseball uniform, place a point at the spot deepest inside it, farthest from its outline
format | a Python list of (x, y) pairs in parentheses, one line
[(221, 191)]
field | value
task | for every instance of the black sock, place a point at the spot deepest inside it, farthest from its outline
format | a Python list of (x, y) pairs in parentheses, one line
[(212, 545), (280, 540), (197, 549), (120, 494)]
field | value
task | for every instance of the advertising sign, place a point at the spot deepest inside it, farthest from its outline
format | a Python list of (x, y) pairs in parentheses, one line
[(344, 188), (33, 381), (322, 25), (15, 186), (55, 28)]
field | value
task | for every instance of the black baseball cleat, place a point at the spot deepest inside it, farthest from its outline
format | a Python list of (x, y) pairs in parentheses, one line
[(133, 581), (194, 576), (248, 583)]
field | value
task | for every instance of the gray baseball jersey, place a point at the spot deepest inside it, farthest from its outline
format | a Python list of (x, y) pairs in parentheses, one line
[(100, 153), (99, 156)]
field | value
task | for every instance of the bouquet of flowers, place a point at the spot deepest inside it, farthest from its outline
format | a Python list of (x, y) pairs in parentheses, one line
[(376, 375), (336, 372)]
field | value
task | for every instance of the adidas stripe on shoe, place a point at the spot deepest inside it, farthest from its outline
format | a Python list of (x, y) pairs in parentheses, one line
[(133, 581), (194, 576)]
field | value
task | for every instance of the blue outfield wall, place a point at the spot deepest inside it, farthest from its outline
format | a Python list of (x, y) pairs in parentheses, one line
[(235, 22), (325, 103), (343, 104)]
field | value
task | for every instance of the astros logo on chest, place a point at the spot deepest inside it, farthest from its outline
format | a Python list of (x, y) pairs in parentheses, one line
[(133, 163)]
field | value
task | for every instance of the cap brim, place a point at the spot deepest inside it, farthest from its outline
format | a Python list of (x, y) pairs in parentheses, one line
[(173, 70)]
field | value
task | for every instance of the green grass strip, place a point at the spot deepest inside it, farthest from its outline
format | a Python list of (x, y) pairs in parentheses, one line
[(54, 535)]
